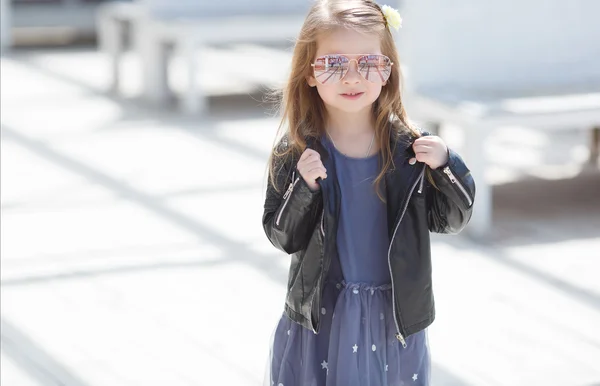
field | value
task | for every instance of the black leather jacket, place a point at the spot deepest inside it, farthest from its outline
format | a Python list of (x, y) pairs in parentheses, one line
[(303, 224)]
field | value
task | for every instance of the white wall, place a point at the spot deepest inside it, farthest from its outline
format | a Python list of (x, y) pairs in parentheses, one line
[(497, 44)]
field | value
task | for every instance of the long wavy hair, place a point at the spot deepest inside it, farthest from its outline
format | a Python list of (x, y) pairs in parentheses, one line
[(302, 109)]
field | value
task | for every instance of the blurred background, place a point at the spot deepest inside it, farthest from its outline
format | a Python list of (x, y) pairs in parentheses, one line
[(135, 137)]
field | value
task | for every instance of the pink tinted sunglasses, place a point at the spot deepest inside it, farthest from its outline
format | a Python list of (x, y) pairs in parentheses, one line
[(332, 68)]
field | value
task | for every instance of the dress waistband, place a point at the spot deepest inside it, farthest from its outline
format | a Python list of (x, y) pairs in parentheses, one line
[(361, 286)]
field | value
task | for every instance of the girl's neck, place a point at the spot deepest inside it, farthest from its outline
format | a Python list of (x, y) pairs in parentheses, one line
[(352, 133), (349, 125)]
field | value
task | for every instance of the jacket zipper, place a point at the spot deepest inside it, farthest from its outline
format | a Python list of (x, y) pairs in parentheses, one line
[(286, 196), (422, 179), (324, 250), (455, 181), (412, 189)]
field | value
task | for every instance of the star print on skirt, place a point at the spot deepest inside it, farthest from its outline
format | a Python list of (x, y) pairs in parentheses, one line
[(355, 347)]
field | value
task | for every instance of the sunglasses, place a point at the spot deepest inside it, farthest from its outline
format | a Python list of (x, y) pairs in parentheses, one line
[(330, 69)]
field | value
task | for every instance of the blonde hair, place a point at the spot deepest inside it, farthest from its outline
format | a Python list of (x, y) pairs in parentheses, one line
[(303, 111)]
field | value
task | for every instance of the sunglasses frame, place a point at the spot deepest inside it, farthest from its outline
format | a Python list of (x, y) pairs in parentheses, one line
[(359, 57)]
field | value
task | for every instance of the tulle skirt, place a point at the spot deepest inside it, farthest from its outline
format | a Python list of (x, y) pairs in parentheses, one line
[(356, 345)]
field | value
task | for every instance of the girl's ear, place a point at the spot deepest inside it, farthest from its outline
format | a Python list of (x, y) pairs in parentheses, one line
[(312, 82)]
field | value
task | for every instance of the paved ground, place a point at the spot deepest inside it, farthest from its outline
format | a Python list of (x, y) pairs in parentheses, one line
[(131, 241)]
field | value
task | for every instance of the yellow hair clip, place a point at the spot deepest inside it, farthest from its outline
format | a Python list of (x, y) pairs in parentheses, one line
[(392, 17)]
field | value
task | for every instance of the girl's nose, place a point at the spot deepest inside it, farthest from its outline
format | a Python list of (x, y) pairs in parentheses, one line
[(353, 76)]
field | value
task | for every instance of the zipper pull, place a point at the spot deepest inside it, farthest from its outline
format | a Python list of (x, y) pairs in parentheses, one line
[(291, 187), (289, 190), (422, 179), (450, 175), (401, 339)]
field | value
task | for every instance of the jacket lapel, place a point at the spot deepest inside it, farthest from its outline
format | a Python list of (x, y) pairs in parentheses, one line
[(399, 179)]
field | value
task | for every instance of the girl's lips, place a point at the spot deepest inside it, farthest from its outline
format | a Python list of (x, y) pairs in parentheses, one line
[(352, 96)]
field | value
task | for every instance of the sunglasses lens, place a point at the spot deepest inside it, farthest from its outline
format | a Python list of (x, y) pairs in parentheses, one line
[(375, 68), (330, 68)]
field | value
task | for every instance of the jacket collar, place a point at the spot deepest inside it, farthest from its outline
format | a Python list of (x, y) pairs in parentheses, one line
[(397, 183), (400, 143)]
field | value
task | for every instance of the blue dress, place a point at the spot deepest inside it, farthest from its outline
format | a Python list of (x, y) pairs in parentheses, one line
[(356, 345)]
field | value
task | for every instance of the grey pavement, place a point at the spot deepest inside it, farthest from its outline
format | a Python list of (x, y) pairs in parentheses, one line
[(132, 251)]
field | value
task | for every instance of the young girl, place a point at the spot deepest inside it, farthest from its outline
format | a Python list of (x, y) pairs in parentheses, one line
[(354, 191)]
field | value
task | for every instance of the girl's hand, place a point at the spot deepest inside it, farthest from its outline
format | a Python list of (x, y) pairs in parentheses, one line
[(431, 150), (311, 168)]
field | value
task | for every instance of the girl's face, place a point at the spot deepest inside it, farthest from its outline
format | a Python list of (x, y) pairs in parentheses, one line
[(353, 93)]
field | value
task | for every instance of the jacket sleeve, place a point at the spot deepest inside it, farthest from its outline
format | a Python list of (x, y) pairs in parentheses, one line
[(290, 214), (450, 200)]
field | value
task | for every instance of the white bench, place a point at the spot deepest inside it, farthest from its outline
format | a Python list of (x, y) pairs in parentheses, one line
[(482, 65), (158, 31), (116, 22), (479, 113)]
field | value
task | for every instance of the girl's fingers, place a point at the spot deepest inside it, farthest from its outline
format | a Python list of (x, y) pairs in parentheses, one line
[(428, 139), (429, 149), (309, 162), (305, 155), (309, 167), (422, 157), (317, 172), (309, 153), (313, 162), (426, 147)]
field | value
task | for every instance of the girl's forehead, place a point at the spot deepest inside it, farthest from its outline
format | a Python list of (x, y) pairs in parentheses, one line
[(346, 41)]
